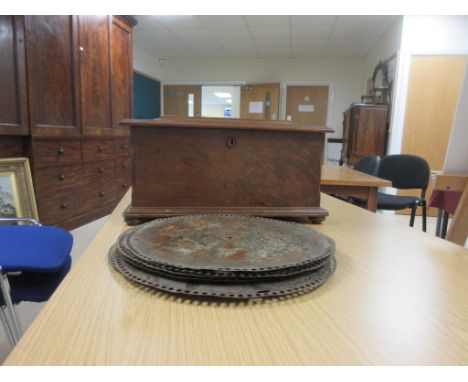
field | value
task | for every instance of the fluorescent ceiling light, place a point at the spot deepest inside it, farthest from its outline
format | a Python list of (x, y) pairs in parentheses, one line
[(228, 100), (222, 95)]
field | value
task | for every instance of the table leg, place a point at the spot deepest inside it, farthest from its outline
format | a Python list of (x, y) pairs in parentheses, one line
[(372, 199), (439, 221)]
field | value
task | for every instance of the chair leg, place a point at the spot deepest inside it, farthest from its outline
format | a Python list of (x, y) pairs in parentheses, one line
[(5, 288), (413, 214), (424, 215), (6, 325)]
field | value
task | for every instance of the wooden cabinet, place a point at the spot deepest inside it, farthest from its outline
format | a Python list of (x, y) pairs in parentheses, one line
[(76, 87), (13, 96), (364, 132), (52, 68), (95, 75)]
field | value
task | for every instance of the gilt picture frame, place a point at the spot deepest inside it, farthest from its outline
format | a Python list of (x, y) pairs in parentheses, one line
[(17, 198)]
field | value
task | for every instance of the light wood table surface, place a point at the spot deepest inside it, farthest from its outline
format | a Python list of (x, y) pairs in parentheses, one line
[(346, 181), (399, 296)]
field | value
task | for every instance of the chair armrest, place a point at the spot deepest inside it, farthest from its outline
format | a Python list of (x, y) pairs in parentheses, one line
[(20, 220)]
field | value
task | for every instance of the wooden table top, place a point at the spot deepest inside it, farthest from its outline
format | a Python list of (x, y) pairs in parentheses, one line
[(399, 296), (346, 176)]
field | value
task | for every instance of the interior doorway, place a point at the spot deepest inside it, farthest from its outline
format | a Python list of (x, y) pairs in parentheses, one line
[(433, 91), (260, 101), (182, 100)]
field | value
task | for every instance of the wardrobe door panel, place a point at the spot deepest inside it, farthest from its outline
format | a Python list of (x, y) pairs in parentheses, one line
[(95, 75), (52, 62), (13, 95), (122, 76)]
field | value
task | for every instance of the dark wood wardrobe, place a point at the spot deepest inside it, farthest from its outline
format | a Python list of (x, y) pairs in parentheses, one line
[(66, 83)]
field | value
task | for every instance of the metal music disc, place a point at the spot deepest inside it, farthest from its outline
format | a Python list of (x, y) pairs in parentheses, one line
[(225, 243), (303, 283)]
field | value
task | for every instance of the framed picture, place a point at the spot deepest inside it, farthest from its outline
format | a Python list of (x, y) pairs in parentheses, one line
[(17, 197)]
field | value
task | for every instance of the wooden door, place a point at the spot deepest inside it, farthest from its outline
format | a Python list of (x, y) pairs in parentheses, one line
[(176, 100), (95, 75), (307, 105), (122, 76), (52, 69), (433, 92), (13, 95), (260, 101)]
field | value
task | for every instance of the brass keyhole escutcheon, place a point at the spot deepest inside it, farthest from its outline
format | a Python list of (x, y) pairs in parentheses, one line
[(231, 142)]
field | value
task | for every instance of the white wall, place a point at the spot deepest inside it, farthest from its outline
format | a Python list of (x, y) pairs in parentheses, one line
[(386, 46), (346, 75), (423, 35), (146, 63)]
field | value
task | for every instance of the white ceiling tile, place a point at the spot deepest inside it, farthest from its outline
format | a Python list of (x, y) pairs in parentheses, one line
[(211, 52), (316, 42), (147, 22), (312, 20), (270, 32), (344, 51), (202, 43), (355, 29), (237, 43), (159, 45), (153, 34), (180, 21), (256, 21), (360, 19), (307, 52), (338, 41), (274, 51), (190, 33), (238, 51), (230, 32), (222, 21), (272, 42), (311, 31)]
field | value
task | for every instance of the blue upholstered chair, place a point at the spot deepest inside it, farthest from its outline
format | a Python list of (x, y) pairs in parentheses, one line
[(33, 261)]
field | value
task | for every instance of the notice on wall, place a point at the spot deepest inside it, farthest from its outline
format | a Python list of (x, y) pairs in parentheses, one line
[(306, 108), (256, 107)]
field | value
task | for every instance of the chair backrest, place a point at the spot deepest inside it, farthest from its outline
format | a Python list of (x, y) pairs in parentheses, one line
[(405, 171), (369, 165)]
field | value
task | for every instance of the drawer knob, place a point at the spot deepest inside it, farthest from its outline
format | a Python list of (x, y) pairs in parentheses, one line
[(124, 147), (231, 142), (124, 165), (101, 170), (60, 151), (61, 177), (101, 193), (125, 185), (100, 149), (64, 205)]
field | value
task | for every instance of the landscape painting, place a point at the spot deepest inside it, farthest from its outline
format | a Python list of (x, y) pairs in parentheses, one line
[(8, 195)]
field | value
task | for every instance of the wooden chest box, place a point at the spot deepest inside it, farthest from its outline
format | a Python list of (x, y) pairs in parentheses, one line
[(189, 166)]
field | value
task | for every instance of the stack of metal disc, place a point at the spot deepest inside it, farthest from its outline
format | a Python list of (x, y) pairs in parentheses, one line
[(225, 256)]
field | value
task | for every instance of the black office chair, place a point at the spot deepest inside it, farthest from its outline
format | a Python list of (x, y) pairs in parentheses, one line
[(405, 172), (368, 165)]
